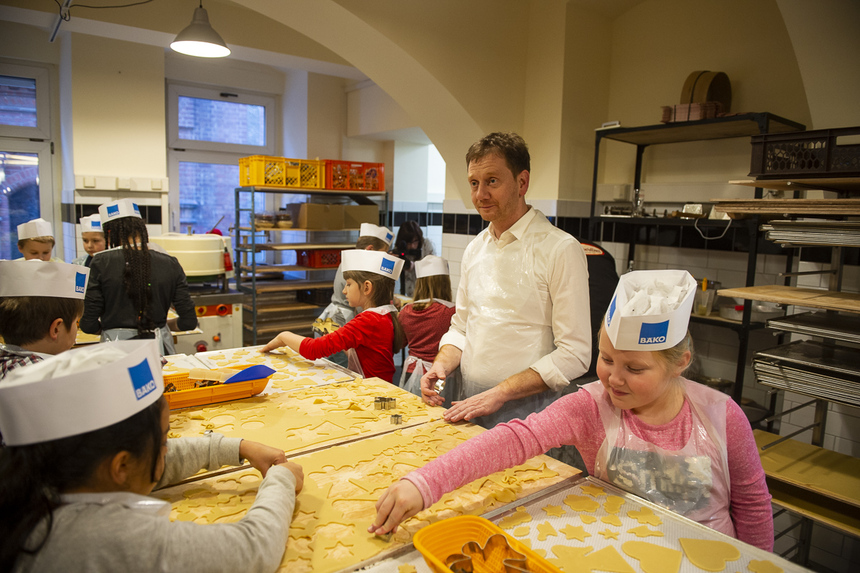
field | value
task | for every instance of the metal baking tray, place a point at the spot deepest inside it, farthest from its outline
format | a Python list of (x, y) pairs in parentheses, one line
[(844, 327), (815, 355)]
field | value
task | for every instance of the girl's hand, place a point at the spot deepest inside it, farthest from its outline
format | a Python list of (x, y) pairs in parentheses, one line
[(399, 502), (297, 471), (276, 342), (261, 456)]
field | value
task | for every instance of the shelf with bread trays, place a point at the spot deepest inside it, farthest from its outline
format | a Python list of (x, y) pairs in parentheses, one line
[(819, 368), (272, 297)]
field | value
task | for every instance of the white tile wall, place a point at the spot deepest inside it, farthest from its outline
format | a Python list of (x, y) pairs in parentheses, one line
[(717, 354)]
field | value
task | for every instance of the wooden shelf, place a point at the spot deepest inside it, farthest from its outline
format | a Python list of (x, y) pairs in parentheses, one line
[(824, 472), (820, 508), (783, 207), (269, 328), (838, 184), (296, 246), (301, 229), (263, 310), (266, 269), (797, 296)]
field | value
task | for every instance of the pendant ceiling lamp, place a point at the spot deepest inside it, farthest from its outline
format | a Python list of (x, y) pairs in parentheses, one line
[(199, 39)]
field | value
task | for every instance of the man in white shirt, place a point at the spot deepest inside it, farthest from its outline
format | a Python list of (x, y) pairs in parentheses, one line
[(522, 329)]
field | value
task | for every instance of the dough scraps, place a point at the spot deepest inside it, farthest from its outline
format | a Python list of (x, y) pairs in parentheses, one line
[(709, 554), (554, 510), (575, 532), (763, 567), (643, 531), (653, 558), (585, 560), (645, 515), (545, 530), (581, 503), (407, 568)]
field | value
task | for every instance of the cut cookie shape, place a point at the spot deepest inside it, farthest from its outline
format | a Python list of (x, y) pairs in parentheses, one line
[(653, 558), (645, 515), (643, 531), (575, 532), (709, 554), (608, 534), (495, 555), (522, 531), (593, 490), (763, 567), (518, 517), (584, 560), (546, 530), (554, 510), (611, 520), (581, 503), (613, 504), (587, 519)]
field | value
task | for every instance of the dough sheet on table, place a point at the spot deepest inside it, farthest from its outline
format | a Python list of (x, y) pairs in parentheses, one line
[(307, 418), (342, 485)]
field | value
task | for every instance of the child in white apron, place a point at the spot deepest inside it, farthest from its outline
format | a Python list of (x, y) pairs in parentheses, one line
[(374, 335), (643, 426)]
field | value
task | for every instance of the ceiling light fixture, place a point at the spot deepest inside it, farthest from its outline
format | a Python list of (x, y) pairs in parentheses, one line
[(199, 39)]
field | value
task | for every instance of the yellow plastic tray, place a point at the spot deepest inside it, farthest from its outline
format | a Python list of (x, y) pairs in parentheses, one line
[(184, 398), (447, 537)]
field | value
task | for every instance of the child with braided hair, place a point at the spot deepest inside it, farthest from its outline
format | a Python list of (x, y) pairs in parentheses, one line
[(132, 286)]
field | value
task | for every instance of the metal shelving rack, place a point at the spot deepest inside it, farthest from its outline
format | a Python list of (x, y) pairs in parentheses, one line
[(740, 125), (251, 240)]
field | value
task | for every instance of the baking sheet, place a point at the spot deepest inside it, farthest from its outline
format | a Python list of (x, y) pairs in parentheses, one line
[(844, 327), (672, 527)]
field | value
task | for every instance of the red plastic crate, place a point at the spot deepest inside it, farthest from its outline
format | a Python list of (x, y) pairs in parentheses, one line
[(354, 175), (319, 258)]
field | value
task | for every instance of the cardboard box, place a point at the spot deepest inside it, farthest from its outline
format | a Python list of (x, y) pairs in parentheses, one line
[(649, 331), (316, 216), (355, 215)]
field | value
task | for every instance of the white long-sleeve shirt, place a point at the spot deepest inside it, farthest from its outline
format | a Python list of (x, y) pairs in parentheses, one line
[(522, 302)]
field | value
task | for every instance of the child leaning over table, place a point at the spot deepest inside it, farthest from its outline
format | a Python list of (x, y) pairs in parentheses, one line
[(86, 442), (40, 304), (426, 319), (375, 334), (642, 427), (36, 240), (93, 239)]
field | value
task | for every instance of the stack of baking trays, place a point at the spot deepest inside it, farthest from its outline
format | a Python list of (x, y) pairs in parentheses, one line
[(812, 368), (824, 232)]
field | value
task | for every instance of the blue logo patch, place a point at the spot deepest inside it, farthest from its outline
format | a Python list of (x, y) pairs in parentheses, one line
[(653, 333), (387, 266), (611, 312), (112, 210), (80, 282), (388, 237), (136, 210), (96, 224), (142, 379)]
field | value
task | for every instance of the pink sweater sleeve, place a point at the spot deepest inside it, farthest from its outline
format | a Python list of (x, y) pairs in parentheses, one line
[(750, 499), (572, 419)]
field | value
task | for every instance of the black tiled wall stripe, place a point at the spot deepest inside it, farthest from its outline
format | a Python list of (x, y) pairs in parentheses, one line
[(73, 213)]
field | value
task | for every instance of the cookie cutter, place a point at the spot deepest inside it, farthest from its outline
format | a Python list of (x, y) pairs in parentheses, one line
[(396, 419), (439, 386), (384, 403), (495, 555)]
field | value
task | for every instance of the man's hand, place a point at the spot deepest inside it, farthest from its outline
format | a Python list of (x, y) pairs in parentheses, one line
[(399, 502), (481, 404), (428, 381), (261, 456)]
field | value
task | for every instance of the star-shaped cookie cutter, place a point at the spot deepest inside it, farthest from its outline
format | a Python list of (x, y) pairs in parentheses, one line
[(496, 555)]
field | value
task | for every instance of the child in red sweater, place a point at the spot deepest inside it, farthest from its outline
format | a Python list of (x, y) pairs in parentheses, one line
[(426, 320), (374, 335)]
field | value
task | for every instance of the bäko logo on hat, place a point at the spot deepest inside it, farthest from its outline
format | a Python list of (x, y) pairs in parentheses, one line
[(142, 379), (80, 282), (387, 266)]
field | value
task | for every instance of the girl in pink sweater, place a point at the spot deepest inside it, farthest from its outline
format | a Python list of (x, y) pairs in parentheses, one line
[(642, 427)]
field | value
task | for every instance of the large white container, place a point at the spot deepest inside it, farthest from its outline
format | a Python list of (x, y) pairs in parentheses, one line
[(199, 255)]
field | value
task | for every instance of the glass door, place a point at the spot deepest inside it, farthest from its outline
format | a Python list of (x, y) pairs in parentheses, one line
[(24, 169)]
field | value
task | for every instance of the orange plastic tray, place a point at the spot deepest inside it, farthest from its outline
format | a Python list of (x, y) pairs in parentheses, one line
[(447, 537), (184, 398)]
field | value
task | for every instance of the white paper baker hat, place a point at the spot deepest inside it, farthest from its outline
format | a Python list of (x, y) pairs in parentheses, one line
[(372, 262), (371, 230), (43, 278), (35, 228), (78, 391), (650, 310), (91, 224), (118, 209), (430, 266)]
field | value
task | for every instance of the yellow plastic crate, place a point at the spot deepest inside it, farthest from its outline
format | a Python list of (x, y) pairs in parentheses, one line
[(267, 171), (187, 395), (438, 541)]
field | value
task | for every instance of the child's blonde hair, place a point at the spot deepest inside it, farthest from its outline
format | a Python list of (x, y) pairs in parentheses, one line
[(43, 239), (669, 357), (382, 291), (370, 241), (435, 286)]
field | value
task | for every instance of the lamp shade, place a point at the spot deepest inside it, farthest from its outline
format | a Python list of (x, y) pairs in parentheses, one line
[(199, 39)]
